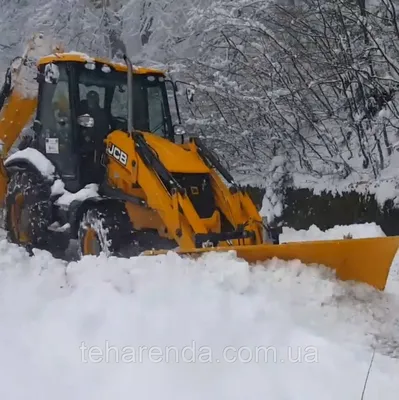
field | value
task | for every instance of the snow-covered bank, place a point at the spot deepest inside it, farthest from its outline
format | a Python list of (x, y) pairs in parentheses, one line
[(316, 331), (357, 231)]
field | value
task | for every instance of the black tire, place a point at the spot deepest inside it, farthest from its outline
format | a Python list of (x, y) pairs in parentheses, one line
[(27, 198), (105, 228), (29, 211)]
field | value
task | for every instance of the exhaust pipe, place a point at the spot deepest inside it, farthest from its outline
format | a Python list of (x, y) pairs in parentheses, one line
[(129, 94)]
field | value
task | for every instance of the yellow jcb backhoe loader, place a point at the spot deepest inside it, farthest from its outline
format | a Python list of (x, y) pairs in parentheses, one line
[(104, 164)]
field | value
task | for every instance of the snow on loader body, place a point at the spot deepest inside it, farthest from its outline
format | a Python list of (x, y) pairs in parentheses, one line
[(103, 165)]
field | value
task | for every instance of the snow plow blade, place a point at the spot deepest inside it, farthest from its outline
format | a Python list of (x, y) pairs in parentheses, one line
[(361, 260)]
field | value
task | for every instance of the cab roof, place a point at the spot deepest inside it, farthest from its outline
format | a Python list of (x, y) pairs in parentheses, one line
[(84, 58)]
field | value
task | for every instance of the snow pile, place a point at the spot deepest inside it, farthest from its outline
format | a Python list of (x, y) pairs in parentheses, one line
[(173, 328), (356, 231), (66, 198)]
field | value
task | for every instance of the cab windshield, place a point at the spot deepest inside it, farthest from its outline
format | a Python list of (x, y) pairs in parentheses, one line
[(104, 95)]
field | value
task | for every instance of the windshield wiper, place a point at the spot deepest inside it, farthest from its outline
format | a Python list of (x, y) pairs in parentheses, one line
[(163, 124)]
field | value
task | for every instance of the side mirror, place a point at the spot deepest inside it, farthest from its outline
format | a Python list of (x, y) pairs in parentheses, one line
[(190, 91), (86, 121), (40, 78), (178, 130), (190, 95), (62, 121), (37, 127), (51, 73)]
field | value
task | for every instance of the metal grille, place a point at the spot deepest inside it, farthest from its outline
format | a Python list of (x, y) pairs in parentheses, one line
[(199, 190)]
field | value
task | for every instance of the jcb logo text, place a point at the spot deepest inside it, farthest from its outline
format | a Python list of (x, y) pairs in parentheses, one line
[(117, 153)]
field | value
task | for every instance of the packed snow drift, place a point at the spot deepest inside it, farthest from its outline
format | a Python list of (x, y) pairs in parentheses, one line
[(171, 328)]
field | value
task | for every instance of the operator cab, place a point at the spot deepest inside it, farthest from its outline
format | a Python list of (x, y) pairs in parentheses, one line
[(82, 100)]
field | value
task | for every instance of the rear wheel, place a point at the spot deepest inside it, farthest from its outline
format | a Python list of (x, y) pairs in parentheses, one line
[(18, 221), (29, 213)]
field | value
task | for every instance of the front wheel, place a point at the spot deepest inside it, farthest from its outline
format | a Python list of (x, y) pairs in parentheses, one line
[(103, 230)]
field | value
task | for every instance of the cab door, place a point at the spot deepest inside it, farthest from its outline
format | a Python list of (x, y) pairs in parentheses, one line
[(57, 123)]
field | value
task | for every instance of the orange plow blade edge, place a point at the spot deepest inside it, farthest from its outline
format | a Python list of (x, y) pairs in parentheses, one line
[(362, 260)]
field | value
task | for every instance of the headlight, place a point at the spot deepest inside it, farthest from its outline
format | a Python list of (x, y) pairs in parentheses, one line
[(179, 131)]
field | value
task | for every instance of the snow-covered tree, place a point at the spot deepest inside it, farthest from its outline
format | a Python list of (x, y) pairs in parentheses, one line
[(281, 85), (311, 83)]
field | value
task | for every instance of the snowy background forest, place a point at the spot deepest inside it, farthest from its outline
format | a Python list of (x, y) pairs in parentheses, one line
[(300, 93)]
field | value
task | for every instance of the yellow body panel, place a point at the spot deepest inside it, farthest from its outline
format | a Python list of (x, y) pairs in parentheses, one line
[(175, 157), (83, 58), (176, 214), (144, 218), (18, 112)]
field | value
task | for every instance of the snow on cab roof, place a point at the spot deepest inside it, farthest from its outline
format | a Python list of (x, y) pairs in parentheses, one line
[(82, 57)]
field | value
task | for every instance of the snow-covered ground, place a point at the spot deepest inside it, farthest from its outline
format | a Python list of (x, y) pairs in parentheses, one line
[(183, 329)]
